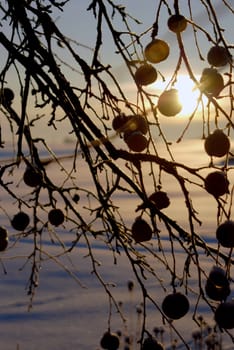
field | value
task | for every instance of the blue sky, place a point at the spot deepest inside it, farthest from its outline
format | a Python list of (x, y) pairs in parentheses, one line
[(80, 25)]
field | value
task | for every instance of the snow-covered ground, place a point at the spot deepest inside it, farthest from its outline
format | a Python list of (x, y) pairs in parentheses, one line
[(72, 312)]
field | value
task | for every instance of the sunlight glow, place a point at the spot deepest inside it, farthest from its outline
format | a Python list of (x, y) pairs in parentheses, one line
[(188, 94)]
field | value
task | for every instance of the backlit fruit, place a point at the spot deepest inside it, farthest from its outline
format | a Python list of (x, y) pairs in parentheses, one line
[(132, 123), (177, 23), (56, 217), (218, 56), (211, 82), (216, 183), (109, 341), (169, 103), (225, 234), (217, 285), (20, 221), (175, 305), (32, 177), (217, 144), (160, 199), (151, 343), (3, 239), (119, 121), (137, 123), (136, 141), (156, 51), (141, 230), (145, 74), (7, 96), (224, 315)]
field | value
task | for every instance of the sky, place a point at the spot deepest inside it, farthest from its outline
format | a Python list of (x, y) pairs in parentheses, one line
[(79, 24), (59, 317), (84, 31)]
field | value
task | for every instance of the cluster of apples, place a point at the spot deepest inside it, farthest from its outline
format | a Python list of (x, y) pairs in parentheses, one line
[(218, 288), (217, 144), (110, 341), (156, 51), (218, 285), (211, 81), (141, 230), (21, 220), (32, 177), (176, 304), (134, 129)]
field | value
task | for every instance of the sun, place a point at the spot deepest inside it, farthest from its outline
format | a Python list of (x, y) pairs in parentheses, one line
[(188, 94), (187, 91)]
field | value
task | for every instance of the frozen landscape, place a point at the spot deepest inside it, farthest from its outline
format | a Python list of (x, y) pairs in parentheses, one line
[(70, 308), (112, 117)]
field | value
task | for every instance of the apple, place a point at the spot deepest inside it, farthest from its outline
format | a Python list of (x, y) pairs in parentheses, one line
[(218, 56), (141, 230), (216, 183), (168, 103), (109, 341), (177, 23), (56, 217), (217, 285), (32, 177), (137, 122), (136, 141), (217, 144), (224, 315), (20, 221), (225, 234), (146, 74), (119, 122), (156, 51), (175, 305), (211, 82), (151, 343), (160, 199)]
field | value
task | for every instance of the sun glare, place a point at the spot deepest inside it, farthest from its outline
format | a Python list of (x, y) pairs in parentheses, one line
[(188, 94)]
